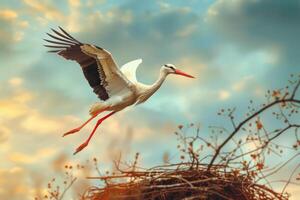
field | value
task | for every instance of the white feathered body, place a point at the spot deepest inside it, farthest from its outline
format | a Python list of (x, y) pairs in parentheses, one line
[(139, 92)]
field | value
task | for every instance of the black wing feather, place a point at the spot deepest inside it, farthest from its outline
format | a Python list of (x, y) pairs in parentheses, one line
[(61, 39), (65, 37), (69, 35), (70, 48), (54, 46), (54, 51), (55, 42)]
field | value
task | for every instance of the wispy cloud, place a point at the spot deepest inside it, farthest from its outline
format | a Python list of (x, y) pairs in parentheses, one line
[(38, 156), (8, 14), (45, 9)]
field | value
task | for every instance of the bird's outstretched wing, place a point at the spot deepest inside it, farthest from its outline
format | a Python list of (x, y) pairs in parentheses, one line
[(98, 65), (129, 69)]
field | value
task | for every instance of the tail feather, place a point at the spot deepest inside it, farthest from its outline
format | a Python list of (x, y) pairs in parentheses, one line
[(99, 106)]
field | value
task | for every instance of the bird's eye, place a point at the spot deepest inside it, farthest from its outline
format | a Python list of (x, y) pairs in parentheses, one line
[(168, 66)]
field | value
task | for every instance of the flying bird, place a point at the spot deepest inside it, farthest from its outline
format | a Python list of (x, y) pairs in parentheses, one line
[(117, 88)]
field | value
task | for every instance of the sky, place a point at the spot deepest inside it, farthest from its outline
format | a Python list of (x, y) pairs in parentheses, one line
[(236, 50)]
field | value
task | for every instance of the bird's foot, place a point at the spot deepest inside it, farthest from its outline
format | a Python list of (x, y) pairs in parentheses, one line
[(82, 146), (75, 130)]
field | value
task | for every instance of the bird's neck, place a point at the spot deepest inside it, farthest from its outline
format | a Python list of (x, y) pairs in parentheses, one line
[(155, 86), (151, 89)]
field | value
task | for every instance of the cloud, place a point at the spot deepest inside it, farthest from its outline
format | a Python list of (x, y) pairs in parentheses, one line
[(123, 26), (29, 119), (8, 14), (189, 30), (6, 36), (11, 110), (45, 9), (23, 24), (13, 184), (35, 122), (15, 81), (271, 25), (11, 32), (74, 3), (241, 84), (18, 36), (15, 108), (74, 16), (38, 156), (4, 133), (223, 94)]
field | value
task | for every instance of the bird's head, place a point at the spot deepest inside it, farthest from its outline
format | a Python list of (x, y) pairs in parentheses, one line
[(171, 69)]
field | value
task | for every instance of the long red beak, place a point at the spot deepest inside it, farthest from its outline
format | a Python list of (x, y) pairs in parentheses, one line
[(179, 72)]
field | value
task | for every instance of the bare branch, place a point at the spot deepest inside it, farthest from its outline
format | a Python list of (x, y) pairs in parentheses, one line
[(244, 122), (295, 90)]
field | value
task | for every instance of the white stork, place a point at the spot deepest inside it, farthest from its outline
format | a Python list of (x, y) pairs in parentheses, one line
[(116, 88)]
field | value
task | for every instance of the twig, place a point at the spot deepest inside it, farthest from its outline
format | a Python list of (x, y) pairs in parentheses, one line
[(244, 122), (290, 178), (295, 90), (67, 188)]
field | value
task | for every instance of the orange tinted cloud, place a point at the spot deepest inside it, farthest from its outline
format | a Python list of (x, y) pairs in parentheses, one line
[(8, 14), (19, 157)]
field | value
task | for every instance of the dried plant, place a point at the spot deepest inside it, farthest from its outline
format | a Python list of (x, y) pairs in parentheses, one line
[(54, 189)]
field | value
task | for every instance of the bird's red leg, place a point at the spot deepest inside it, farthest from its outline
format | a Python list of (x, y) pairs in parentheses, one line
[(83, 145), (75, 130)]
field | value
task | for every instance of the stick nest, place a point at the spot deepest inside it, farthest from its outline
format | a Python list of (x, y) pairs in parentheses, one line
[(182, 182)]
